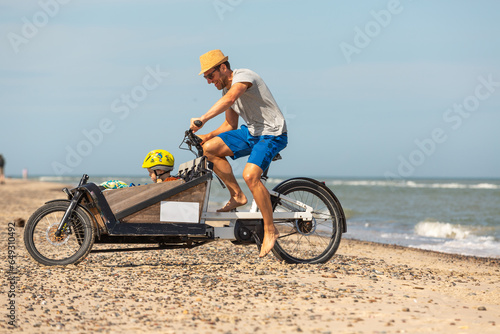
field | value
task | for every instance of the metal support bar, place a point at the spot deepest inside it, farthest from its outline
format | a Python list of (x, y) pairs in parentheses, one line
[(225, 216), (151, 229), (291, 200)]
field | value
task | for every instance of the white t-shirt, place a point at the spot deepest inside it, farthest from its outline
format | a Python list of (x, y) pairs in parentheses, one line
[(257, 105)]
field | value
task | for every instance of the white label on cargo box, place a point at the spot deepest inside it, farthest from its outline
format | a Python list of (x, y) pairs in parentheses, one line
[(180, 212)]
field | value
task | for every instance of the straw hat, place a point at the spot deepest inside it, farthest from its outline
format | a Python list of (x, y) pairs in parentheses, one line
[(211, 59)]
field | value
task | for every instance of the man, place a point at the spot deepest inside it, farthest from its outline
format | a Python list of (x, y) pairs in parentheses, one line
[(244, 94)]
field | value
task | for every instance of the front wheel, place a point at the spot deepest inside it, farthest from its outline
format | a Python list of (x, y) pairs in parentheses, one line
[(71, 247), (303, 241)]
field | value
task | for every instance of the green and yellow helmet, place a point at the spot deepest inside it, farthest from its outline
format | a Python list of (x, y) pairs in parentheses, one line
[(159, 159)]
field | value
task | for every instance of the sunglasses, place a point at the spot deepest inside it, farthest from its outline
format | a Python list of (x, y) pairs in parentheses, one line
[(211, 75)]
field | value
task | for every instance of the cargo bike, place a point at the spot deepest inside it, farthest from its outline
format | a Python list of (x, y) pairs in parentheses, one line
[(174, 214)]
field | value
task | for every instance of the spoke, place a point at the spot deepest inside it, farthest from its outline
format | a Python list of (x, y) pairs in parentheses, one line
[(297, 244), (321, 213), (287, 235), (47, 219), (291, 207), (323, 240)]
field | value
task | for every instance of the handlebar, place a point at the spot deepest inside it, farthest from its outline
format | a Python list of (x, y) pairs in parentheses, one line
[(190, 139)]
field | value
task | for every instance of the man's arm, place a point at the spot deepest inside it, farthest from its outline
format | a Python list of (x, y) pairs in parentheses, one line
[(222, 105), (230, 123)]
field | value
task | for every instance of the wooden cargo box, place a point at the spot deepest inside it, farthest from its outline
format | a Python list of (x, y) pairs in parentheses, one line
[(124, 200)]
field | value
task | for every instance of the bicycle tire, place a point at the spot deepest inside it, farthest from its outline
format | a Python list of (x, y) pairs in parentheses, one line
[(308, 242), (71, 247)]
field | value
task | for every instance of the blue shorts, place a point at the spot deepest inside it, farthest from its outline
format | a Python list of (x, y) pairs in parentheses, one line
[(261, 149)]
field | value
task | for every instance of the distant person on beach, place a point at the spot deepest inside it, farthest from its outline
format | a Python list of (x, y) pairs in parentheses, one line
[(159, 164), (244, 94), (2, 164)]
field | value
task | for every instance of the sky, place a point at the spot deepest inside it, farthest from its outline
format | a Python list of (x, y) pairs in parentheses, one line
[(386, 89)]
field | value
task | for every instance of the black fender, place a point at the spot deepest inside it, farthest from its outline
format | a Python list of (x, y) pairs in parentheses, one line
[(84, 209), (327, 189)]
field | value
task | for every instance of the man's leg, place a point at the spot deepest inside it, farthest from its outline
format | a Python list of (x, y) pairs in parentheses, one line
[(216, 151), (251, 175)]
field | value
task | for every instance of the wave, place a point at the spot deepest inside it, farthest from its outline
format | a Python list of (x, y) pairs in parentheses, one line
[(412, 184), (485, 186), (369, 183), (475, 246), (443, 230), (452, 185), (59, 179)]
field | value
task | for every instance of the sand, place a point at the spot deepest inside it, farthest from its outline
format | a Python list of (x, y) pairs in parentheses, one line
[(223, 288)]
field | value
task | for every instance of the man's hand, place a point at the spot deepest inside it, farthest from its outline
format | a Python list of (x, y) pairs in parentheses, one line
[(204, 138), (193, 127)]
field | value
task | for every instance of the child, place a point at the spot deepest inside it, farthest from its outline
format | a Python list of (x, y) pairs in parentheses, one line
[(159, 164)]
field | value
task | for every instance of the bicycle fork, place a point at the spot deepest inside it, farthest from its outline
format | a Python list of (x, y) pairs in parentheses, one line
[(75, 199)]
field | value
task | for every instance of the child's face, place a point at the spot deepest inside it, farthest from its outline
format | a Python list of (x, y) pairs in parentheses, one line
[(160, 177), (152, 175)]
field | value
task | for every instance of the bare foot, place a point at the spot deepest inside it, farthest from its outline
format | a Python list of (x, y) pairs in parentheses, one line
[(233, 204), (268, 242)]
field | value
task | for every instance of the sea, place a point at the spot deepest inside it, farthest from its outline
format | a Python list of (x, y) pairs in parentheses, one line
[(457, 216)]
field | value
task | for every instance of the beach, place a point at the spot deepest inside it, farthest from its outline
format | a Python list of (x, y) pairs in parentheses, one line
[(222, 288)]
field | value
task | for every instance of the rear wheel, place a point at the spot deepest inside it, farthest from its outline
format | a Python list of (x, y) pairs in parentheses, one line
[(71, 247), (303, 241)]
